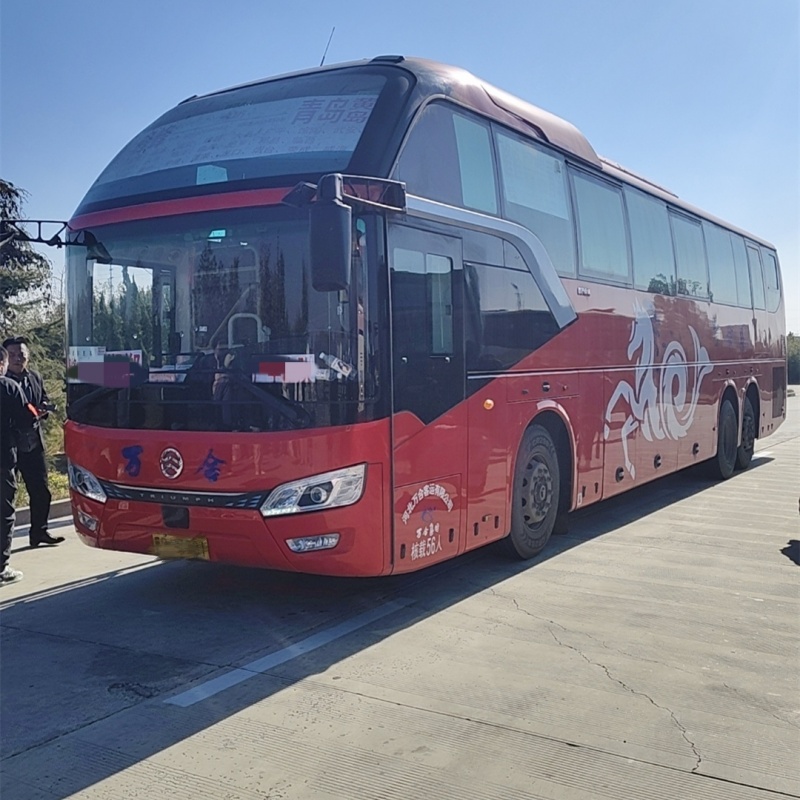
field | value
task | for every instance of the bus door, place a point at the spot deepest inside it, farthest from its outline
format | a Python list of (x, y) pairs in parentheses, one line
[(429, 441)]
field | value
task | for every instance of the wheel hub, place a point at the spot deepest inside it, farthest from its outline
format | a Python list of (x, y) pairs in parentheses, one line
[(541, 492)]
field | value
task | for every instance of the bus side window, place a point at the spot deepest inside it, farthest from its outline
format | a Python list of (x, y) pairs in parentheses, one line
[(772, 279), (651, 242), (690, 256), (448, 158), (511, 321), (743, 294), (721, 272), (602, 240), (756, 276), (535, 195)]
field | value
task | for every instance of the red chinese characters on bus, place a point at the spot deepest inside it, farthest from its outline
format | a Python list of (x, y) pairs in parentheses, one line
[(426, 522)]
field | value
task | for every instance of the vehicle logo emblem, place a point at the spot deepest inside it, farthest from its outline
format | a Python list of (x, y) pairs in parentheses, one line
[(171, 463)]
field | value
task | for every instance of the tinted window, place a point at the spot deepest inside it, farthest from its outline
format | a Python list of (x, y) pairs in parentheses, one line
[(772, 280), (535, 195), (743, 295), (423, 275), (690, 257), (721, 269), (508, 317), (602, 244), (476, 167), (756, 279), (651, 242), (448, 157)]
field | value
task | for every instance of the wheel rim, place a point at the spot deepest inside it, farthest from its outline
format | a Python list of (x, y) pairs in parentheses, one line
[(537, 493)]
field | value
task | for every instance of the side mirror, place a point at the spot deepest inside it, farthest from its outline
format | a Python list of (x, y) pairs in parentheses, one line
[(95, 249), (330, 237)]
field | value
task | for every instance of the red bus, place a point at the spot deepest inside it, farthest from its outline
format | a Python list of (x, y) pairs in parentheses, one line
[(363, 318)]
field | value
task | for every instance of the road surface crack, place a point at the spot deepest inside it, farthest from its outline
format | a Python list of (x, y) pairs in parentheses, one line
[(550, 623), (633, 691)]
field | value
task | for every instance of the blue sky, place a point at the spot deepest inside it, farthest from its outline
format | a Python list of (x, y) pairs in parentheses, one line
[(701, 96)]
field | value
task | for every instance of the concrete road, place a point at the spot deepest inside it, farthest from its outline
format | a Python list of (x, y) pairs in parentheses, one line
[(652, 653)]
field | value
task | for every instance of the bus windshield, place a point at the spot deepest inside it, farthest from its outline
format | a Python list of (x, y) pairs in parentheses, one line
[(210, 322), (304, 125)]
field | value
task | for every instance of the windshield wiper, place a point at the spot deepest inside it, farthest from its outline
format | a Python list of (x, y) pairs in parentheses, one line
[(289, 409), (95, 394)]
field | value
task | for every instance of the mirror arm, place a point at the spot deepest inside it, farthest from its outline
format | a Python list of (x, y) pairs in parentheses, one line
[(11, 229)]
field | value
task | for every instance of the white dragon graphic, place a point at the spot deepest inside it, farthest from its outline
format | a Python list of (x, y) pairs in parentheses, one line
[(660, 408)]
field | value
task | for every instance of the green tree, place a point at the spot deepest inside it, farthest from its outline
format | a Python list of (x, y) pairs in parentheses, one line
[(24, 274), (26, 310)]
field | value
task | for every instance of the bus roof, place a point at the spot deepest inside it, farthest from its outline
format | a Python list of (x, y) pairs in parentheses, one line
[(436, 79)]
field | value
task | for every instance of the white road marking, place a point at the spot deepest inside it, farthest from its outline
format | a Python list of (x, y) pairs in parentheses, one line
[(262, 665)]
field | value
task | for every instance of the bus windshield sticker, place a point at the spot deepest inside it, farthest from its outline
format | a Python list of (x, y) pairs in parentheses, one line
[(296, 125), (288, 369), (101, 367)]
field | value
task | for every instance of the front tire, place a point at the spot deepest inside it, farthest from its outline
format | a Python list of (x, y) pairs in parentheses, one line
[(727, 435), (537, 488), (744, 455)]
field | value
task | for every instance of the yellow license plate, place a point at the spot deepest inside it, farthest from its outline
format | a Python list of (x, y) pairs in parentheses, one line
[(167, 546)]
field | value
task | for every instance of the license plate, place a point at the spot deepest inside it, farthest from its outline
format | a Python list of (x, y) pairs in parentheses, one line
[(167, 546)]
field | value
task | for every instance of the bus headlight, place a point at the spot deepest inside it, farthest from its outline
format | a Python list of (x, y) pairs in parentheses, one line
[(342, 487), (83, 482)]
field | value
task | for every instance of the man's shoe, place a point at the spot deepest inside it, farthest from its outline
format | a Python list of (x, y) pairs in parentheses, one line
[(45, 538), (9, 575)]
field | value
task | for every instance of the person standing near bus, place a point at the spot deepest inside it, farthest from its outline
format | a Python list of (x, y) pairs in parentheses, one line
[(15, 413), (31, 462)]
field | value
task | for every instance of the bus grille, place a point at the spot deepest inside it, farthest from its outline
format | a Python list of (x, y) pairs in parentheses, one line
[(248, 500)]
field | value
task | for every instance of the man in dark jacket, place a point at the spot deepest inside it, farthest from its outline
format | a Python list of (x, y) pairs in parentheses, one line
[(15, 413), (31, 462)]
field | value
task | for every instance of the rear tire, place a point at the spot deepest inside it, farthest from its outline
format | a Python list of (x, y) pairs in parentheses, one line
[(724, 462), (744, 454), (535, 500)]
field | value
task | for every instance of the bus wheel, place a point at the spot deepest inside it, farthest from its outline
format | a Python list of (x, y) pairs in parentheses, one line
[(744, 455), (727, 434), (536, 493)]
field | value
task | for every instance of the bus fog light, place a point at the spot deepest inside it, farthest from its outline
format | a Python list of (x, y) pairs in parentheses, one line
[(306, 544), (88, 521), (343, 487)]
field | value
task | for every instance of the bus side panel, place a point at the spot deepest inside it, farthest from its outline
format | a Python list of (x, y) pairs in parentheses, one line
[(590, 444), (621, 430), (428, 495), (494, 436)]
